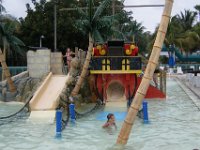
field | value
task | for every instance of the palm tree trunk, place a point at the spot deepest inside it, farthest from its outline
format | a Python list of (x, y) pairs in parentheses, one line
[(85, 68), (153, 61), (4, 54), (7, 72)]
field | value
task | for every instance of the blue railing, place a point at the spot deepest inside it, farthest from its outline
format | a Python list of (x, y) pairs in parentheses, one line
[(14, 70), (184, 67)]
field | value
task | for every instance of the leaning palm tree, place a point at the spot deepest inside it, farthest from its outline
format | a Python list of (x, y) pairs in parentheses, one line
[(197, 7), (9, 42), (177, 34), (187, 19), (173, 31), (132, 30), (188, 41), (153, 61), (92, 23), (7, 73), (2, 8)]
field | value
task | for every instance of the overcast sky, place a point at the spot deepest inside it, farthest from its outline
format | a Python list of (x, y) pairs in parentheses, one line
[(150, 17)]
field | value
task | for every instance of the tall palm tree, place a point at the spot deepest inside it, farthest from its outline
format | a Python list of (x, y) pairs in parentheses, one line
[(141, 92), (188, 41), (187, 19), (181, 32), (8, 41), (197, 7), (196, 28), (173, 31), (2, 8), (7, 72), (92, 23), (132, 30)]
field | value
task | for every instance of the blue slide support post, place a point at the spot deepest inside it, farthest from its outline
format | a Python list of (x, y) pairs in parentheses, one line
[(72, 112), (145, 112), (58, 123)]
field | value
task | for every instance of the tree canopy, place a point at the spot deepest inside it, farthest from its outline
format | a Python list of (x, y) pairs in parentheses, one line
[(73, 26), (11, 45), (183, 32)]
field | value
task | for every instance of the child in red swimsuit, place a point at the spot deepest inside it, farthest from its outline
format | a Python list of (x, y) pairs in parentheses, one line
[(110, 122)]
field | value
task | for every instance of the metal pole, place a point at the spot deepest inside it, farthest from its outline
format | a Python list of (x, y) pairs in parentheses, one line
[(113, 7), (41, 37), (128, 6), (40, 42), (55, 27)]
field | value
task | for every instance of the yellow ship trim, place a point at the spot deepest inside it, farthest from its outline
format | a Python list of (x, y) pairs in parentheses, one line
[(115, 71)]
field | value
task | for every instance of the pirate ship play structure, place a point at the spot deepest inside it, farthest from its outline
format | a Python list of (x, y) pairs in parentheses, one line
[(117, 70)]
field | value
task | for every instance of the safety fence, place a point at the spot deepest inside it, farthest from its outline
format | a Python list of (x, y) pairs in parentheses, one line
[(14, 70), (184, 67), (160, 80)]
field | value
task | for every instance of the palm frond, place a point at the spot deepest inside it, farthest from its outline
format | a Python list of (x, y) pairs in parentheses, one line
[(82, 14), (2, 8), (100, 9), (97, 36), (16, 41), (8, 39), (83, 25), (118, 34)]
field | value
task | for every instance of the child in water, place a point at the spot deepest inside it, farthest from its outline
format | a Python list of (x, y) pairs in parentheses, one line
[(110, 122)]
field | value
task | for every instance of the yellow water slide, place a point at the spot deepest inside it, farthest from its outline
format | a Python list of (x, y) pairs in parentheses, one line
[(46, 98), (116, 95)]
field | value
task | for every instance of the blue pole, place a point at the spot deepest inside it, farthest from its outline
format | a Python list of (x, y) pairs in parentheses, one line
[(145, 112), (72, 111), (58, 123)]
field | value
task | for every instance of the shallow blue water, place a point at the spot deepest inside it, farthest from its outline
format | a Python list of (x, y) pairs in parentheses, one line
[(174, 125)]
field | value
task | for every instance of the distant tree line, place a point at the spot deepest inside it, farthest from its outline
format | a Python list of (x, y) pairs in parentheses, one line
[(73, 26)]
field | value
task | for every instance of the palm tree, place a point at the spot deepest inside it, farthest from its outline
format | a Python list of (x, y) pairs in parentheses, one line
[(196, 28), (187, 19), (197, 7), (2, 8), (8, 41), (188, 41), (141, 92), (92, 23), (132, 30), (7, 72), (174, 29), (181, 32)]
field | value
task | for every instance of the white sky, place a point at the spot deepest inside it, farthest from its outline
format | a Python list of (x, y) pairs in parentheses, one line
[(150, 17)]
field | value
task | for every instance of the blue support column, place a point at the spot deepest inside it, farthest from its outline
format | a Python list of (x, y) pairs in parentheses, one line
[(145, 112), (58, 123), (72, 111)]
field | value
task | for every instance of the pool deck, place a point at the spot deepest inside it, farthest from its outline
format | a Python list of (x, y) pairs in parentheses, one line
[(190, 89), (189, 84)]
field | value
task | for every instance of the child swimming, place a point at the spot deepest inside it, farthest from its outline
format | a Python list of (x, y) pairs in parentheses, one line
[(110, 122)]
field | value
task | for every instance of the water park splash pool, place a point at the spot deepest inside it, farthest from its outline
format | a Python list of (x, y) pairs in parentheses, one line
[(174, 124)]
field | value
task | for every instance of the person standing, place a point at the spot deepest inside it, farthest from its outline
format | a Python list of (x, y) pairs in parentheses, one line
[(68, 56)]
